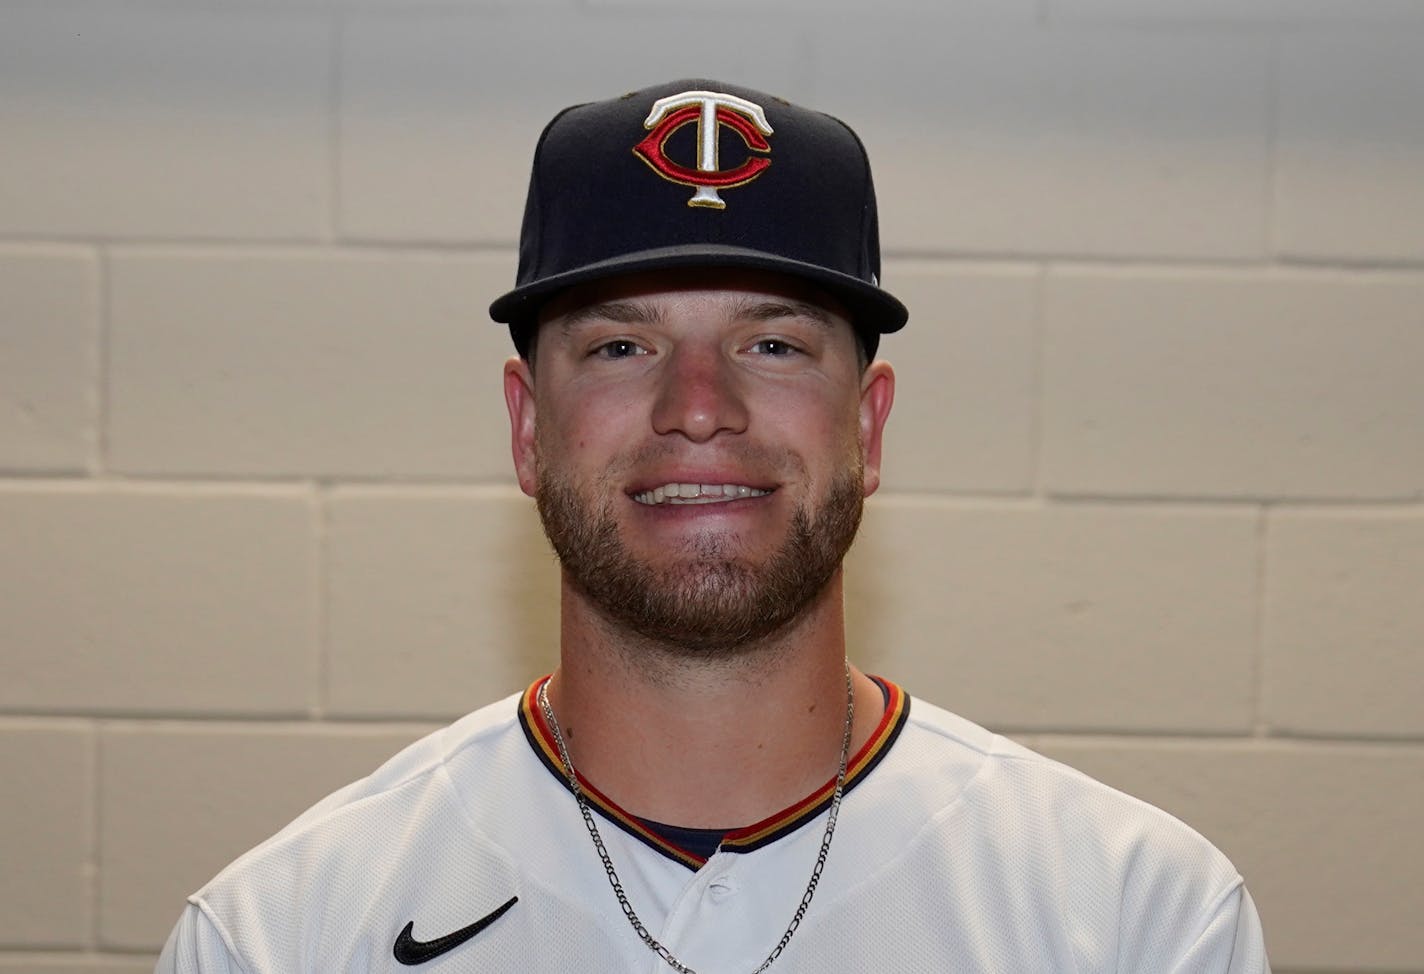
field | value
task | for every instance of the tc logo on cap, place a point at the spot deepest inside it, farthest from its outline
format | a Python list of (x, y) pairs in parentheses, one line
[(710, 110)]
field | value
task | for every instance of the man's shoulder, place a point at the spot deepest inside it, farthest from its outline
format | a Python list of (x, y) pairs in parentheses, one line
[(415, 797), (1047, 808), (394, 843), (1019, 834), (419, 766)]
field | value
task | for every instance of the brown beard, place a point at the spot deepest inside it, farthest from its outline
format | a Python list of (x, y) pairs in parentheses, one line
[(713, 602)]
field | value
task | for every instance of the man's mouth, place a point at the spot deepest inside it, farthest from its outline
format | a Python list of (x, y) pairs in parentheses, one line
[(697, 494)]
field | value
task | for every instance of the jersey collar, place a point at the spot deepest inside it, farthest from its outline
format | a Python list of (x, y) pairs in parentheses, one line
[(748, 838)]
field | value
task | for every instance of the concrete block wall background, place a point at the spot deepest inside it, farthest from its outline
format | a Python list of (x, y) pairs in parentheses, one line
[(1154, 494)]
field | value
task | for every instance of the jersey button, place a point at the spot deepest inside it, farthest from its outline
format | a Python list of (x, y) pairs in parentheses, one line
[(720, 890)]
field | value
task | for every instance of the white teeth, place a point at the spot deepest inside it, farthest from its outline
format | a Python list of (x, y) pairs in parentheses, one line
[(697, 493)]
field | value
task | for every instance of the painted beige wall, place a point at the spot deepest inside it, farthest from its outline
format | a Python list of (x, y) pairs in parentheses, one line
[(1155, 482)]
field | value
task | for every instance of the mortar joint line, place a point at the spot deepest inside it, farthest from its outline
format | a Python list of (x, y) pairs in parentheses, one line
[(99, 462), (94, 757), (1270, 235), (1037, 380), (320, 703), (1258, 669), (335, 81)]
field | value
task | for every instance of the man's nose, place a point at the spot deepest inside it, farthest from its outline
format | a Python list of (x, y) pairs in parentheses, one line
[(699, 396)]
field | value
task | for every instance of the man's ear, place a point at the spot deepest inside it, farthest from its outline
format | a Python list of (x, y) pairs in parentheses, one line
[(519, 398), (877, 394)]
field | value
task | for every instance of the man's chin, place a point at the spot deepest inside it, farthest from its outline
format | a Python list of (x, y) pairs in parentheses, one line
[(721, 556), (697, 605)]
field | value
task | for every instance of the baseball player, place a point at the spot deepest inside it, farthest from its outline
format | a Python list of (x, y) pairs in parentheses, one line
[(705, 783)]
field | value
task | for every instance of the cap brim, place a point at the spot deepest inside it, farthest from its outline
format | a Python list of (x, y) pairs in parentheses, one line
[(873, 309)]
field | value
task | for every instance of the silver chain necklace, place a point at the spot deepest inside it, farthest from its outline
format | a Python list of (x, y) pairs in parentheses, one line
[(613, 880)]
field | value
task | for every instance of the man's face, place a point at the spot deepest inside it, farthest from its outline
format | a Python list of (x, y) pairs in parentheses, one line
[(699, 444)]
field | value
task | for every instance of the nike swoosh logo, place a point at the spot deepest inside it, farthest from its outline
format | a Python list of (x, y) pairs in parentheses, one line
[(410, 951)]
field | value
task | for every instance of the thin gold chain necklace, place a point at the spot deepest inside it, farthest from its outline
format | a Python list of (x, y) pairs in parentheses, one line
[(638, 926)]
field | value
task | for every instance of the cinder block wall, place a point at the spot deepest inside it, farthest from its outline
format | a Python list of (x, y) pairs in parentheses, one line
[(1155, 483)]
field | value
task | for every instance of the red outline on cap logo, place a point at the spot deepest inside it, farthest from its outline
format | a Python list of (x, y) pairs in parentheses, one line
[(710, 110)]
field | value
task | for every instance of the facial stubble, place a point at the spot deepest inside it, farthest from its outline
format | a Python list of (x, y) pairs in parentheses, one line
[(711, 600)]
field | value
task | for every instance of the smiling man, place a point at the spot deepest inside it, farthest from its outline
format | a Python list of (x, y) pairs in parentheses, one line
[(706, 783), (720, 419)]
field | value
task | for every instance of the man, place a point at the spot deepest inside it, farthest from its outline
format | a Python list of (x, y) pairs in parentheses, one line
[(698, 412)]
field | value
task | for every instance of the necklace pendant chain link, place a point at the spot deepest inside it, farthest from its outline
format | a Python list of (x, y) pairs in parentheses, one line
[(638, 926)]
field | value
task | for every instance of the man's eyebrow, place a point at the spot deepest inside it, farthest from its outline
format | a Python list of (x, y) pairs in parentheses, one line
[(771, 310), (623, 312)]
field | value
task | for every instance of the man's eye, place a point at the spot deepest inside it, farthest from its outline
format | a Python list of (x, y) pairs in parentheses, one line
[(774, 347), (618, 348)]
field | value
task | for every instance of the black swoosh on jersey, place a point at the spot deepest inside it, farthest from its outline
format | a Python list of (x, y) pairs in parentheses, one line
[(410, 951)]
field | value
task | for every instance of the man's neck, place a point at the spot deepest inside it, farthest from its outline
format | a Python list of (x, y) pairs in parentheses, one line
[(715, 742)]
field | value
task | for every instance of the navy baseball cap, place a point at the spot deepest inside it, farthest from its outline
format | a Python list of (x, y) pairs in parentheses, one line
[(698, 173)]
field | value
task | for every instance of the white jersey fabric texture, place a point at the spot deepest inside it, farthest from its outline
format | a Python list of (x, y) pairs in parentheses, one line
[(955, 850)]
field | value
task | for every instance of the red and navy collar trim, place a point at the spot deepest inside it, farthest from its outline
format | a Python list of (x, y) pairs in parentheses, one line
[(754, 836)]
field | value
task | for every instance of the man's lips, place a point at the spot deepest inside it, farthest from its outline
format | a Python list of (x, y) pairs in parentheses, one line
[(681, 493)]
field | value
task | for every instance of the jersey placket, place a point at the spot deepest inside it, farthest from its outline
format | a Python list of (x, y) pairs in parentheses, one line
[(735, 909)]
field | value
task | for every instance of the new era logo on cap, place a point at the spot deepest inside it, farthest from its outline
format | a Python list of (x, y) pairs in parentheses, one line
[(802, 200)]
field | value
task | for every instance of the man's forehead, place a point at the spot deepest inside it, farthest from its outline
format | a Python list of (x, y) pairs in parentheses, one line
[(641, 296)]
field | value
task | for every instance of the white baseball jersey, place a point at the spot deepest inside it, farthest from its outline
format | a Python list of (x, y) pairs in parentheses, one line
[(955, 850)]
